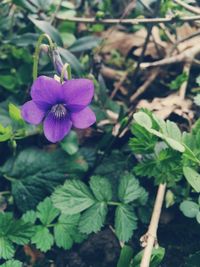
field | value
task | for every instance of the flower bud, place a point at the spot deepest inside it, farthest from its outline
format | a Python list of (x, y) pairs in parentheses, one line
[(58, 64)]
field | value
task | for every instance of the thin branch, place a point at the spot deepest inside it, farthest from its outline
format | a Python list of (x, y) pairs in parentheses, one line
[(149, 31), (192, 35), (145, 85), (152, 231), (171, 19), (190, 8), (183, 88)]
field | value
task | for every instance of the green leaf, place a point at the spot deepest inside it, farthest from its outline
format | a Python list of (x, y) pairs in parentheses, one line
[(143, 119), (73, 197), (198, 217), (192, 177), (85, 43), (101, 188), (65, 230), (12, 231), (34, 174), (25, 4), (62, 238), (47, 28), (6, 248), (129, 189), (70, 143), (161, 166), (69, 58), (46, 212), (175, 145), (16, 231), (189, 208), (8, 82), (125, 222), (169, 130), (156, 257), (12, 263), (15, 113), (93, 218), (125, 256), (180, 79), (5, 133), (43, 239), (30, 216), (143, 141)]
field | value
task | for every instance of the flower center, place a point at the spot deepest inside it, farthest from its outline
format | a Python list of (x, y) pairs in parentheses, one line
[(59, 111)]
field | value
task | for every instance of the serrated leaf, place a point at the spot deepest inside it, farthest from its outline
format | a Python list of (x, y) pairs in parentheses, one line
[(73, 197), (143, 142), (43, 239), (101, 188), (12, 263), (6, 248), (46, 211), (20, 232), (64, 230), (143, 119), (13, 231), (35, 173), (125, 222), (192, 177), (93, 218), (129, 189), (29, 216), (62, 238), (189, 208)]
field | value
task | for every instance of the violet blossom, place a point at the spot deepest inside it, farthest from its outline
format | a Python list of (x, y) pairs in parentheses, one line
[(59, 106)]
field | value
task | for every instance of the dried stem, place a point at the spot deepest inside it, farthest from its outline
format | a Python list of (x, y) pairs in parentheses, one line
[(152, 231), (186, 70), (145, 85), (171, 19), (190, 8)]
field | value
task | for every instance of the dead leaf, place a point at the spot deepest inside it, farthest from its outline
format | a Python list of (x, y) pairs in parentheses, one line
[(124, 42), (164, 107)]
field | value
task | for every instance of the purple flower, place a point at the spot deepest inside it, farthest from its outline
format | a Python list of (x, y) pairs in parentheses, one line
[(60, 106)]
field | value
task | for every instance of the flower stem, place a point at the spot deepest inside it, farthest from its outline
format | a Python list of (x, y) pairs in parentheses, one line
[(66, 67), (37, 52), (112, 203)]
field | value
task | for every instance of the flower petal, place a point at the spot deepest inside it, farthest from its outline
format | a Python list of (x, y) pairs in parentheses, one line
[(83, 119), (31, 113), (78, 93), (46, 90), (56, 128)]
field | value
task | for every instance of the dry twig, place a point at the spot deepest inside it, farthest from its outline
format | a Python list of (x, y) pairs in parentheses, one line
[(190, 8), (170, 19), (145, 85), (151, 235)]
